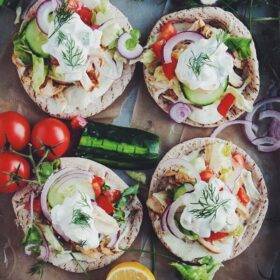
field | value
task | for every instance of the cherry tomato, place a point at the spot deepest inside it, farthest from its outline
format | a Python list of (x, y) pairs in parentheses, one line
[(158, 48), (240, 160), (36, 205), (85, 15), (104, 202), (169, 68), (15, 128), (243, 196), (13, 163), (207, 174), (168, 30), (216, 236), (97, 184), (113, 195), (225, 104), (78, 122), (53, 133)]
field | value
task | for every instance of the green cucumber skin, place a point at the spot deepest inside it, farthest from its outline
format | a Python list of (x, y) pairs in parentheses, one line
[(119, 147)]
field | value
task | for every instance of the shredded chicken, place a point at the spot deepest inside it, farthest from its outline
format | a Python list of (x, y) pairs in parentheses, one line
[(178, 177), (157, 202)]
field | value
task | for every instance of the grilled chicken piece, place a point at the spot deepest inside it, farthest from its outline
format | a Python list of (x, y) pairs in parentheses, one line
[(157, 202)]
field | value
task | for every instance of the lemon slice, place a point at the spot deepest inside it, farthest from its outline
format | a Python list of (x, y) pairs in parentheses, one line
[(130, 271)]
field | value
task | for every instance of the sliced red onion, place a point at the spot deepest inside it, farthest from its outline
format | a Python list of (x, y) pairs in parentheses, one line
[(264, 141), (113, 239), (171, 219), (60, 232), (171, 43), (163, 221), (42, 15), (181, 162), (27, 249), (124, 51), (248, 128), (269, 149), (274, 129), (269, 114), (225, 125), (44, 253), (31, 206), (179, 112)]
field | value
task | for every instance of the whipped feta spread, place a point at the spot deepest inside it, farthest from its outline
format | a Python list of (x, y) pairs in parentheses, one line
[(68, 217), (204, 65), (214, 195)]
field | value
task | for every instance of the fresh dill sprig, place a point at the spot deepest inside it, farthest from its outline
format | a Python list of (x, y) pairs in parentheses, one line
[(62, 16), (60, 37), (80, 218), (221, 37), (82, 243), (84, 201), (73, 55), (197, 62), (37, 268), (209, 204), (79, 264)]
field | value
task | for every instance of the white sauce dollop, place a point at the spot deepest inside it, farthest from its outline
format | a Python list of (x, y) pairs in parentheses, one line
[(214, 70)]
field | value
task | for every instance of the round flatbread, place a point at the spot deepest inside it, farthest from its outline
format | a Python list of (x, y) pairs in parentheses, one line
[(129, 230), (58, 104), (227, 21), (185, 250)]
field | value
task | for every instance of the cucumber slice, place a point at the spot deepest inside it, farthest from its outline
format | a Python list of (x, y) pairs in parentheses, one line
[(35, 38), (59, 192), (182, 190), (201, 97)]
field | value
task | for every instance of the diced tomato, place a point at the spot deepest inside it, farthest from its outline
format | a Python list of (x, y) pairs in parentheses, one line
[(216, 236), (78, 122), (85, 15), (113, 195), (36, 205), (97, 184), (240, 160), (168, 30), (158, 48), (95, 26), (73, 5), (207, 174), (54, 61), (169, 68), (104, 202), (226, 103), (243, 196)]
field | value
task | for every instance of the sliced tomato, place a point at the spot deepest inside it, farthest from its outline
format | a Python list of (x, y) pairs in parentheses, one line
[(36, 206), (168, 30), (216, 236), (78, 122), (54, 61), (104, 202), (226, 103), (207, 174), (85, 15), (243, 196), (157, 47), (97, 184), (169, 68), (113, 195), (240, 160)]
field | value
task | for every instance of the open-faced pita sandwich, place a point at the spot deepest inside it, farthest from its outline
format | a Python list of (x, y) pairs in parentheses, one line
[(88, 214), (67, 59), (207, 198), (201, 67)]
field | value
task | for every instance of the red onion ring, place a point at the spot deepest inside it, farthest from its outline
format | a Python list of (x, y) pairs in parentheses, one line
[(44, 253), (179, 112), (31, 206), (113, 239), (264, 141), (269, 114), (269, 149), (27, 248), (176, 39), (163, 221), (274, 130)]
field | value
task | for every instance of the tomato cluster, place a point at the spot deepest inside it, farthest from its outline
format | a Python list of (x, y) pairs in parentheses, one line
[(48, 134)]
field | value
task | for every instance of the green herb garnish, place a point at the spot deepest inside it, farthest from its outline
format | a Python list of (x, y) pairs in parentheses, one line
[(60, 37), (134, 40), (82, 243), (84, 201), (80, 218), (37, 268)]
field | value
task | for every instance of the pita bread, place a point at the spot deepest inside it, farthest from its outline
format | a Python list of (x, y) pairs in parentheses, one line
[(130, 229), (226, 21), (258, 212), (55, 105)]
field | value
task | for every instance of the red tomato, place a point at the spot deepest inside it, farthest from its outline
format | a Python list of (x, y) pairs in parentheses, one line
[(36, 206), (207, 174), (97, 184), (169, 68), (104, 202), (53, 133), (225, 104), (78, 122), (216, 236), (85, 15), (240, 160), (15, 128), (113, 195), (54, 61), (158, 48), (10, 162), (243, 196), (168, 31)]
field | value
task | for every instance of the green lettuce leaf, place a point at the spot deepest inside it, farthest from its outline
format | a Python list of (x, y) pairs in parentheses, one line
[(32, 236), (40, 71), (134, 40), (22, 49), (239, 44)]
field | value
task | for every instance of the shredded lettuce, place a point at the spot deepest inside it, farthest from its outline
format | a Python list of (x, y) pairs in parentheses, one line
[(40, 71), (205, 270), (22, 49), (134, 40), (32, 236), (239, 44)]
